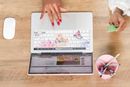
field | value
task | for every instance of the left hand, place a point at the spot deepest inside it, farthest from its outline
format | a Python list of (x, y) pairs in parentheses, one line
[(118, 20)]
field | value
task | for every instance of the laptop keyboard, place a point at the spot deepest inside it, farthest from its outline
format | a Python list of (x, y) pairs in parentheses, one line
[(61, 39)]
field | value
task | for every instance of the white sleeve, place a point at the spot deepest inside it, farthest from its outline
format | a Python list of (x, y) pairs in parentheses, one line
[(124, 5)]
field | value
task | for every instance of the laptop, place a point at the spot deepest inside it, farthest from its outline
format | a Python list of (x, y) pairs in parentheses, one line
[(62, 50)]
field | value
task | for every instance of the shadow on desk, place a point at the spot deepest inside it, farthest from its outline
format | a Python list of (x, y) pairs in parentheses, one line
[(114, 45)]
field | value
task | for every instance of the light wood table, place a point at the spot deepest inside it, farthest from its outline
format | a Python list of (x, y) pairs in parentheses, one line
[(15, 54)]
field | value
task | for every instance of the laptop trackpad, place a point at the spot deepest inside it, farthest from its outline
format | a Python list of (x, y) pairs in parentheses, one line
[(61, 63)]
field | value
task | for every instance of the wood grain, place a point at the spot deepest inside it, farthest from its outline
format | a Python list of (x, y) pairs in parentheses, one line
[(15, 54)]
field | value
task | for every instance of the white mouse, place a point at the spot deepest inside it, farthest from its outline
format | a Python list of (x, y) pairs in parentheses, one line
[(9, 28)]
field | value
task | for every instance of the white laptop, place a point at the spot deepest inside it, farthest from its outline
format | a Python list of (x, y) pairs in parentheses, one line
[(62, 50)]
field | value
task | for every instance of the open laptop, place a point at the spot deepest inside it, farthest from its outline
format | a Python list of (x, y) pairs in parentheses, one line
[(62, 50)]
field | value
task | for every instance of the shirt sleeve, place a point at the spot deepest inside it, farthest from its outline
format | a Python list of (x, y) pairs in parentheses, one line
[(124, 5)]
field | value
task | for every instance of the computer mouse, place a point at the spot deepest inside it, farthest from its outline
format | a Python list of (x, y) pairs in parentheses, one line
[(9, 28)]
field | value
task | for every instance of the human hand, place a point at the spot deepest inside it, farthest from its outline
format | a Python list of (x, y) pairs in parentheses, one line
[(53, 8), (118, 20)]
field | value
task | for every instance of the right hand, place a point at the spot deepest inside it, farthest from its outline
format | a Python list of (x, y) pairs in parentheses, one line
[(53, 8)]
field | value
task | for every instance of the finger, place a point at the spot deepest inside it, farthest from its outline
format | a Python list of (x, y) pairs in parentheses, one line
[(57, 9), (53, 12), (115, 22), (42, 13), (50, 16), (121, 25), (62, 10), (124, 27)]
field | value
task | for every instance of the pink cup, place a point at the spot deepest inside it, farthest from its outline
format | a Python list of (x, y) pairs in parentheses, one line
[(106, 73)]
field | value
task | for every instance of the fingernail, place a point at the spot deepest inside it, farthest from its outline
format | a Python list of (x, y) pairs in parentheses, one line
[(58, 22), (52, 24), (41, 16)]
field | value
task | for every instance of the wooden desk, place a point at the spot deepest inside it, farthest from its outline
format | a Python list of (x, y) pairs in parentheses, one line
[(15, 54)]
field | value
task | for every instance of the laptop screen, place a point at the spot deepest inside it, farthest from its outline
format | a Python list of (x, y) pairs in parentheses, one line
[(61, 63)]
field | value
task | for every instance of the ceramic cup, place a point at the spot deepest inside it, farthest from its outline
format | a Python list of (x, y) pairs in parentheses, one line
[(106, 72)]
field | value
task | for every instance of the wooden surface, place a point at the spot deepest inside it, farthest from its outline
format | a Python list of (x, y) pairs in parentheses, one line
[(15, 54)]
